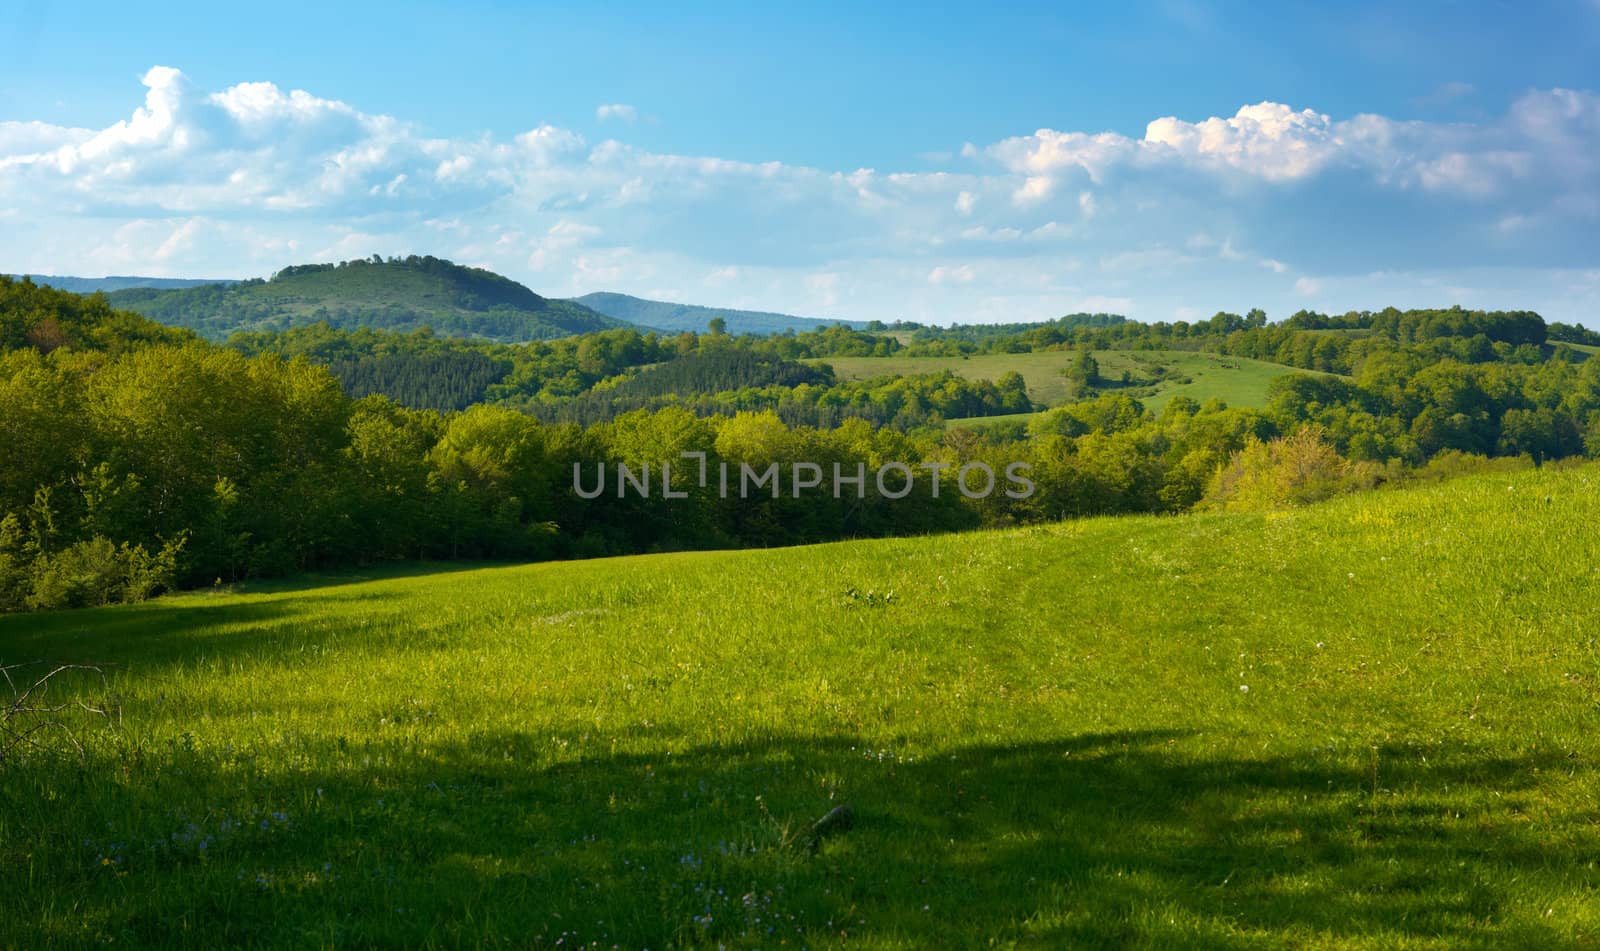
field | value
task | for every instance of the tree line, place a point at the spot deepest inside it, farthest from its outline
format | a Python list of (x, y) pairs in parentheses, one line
[(141, 458)]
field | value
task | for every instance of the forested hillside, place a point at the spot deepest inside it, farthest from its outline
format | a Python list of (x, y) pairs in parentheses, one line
[(41, 318), (400, 294), (140, 457)]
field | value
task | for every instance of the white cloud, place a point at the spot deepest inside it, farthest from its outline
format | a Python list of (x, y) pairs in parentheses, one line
[(242, 181), (180, 241), (1268, 140), (616, 110), (944, 274), (1034, 190), (32, 138), (1275, 144)]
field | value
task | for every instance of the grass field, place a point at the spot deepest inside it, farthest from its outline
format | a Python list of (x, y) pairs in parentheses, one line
[(1235, 380), (1371, 723)]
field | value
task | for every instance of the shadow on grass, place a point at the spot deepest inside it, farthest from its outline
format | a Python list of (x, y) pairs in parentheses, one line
[(191, 627), (381, 572), (1097, 840)]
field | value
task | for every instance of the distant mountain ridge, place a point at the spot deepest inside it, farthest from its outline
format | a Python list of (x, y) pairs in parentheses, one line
[(676, 318), (403, 294), (398, 294), (88, 285)]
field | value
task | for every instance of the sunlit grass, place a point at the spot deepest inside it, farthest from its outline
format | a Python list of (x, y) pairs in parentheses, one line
[(1237, 381), (1369, 723)]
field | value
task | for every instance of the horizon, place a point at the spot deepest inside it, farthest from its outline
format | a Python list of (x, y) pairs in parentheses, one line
[(844, 165)]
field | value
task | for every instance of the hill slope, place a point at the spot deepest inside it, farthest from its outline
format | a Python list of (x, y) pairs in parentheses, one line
[(676, 318), (1156, 376), (399, 294), (88, 285), (1366, 724)]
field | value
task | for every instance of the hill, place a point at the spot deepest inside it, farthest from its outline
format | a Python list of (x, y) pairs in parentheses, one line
[(676, 318), (1365, 724), (89, 285), (1155, 376), (399, 294)]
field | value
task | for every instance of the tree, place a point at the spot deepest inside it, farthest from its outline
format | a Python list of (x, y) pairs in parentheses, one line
[(718, 326), (1083, 375)]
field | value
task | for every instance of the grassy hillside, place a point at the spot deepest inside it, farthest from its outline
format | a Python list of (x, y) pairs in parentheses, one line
[(1367, 724), (675, 318), (397, 294), (1237, 381)]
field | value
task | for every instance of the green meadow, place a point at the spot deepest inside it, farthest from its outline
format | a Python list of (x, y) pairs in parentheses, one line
[(1237, 381), (1368, 723)]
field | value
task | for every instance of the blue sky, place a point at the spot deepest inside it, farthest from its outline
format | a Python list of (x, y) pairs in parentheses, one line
[(1164, 160)]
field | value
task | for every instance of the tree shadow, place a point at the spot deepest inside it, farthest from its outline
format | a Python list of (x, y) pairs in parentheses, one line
[(386, 571), (1095, 839), (196, 627)]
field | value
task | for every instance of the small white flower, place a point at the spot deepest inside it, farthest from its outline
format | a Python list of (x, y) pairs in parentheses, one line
[(1244, 688)]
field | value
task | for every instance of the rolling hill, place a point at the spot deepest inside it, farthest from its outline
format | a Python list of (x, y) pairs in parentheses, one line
[(1365, 724), (400, 294), (1158, 375), (676, 318)]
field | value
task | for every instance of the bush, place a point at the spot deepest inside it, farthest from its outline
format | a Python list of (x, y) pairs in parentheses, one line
[(98, 571), (1452, 463), (1292, 470)]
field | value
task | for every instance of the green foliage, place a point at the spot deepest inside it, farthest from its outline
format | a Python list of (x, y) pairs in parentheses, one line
[(442, 381), (261, 462), (1572, 333), (98, 571), (1297, 469), (42, 318), (1083, 375)]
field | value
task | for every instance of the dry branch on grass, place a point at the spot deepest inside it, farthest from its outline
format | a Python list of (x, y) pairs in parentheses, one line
[(31, 716)]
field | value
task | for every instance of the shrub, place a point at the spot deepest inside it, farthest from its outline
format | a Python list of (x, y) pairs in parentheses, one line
[(1293, 470), (98, 571)]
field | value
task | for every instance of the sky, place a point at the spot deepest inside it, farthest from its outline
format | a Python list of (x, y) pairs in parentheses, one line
[(943, 163)]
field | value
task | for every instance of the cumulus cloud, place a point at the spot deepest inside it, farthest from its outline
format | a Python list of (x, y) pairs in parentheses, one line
[(1268, 140), (244, 180), (1553, 131)]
